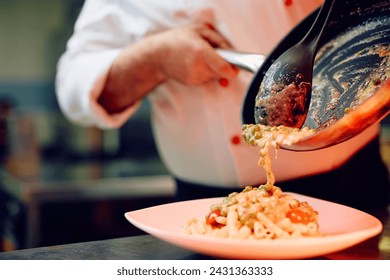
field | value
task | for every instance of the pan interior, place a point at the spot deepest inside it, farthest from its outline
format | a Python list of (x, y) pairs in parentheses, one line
[(349, 69)]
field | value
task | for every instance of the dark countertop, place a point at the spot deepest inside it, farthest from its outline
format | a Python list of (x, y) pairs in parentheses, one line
[(143, 247), (147, 247)]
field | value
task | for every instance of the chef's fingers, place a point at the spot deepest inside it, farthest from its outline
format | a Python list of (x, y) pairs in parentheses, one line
[(213, 37), (220, 66), (215, 62)]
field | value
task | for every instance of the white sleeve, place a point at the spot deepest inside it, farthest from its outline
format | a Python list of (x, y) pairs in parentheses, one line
[(81, 71)]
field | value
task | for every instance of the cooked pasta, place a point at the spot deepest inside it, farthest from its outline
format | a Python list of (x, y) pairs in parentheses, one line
[(267, 137), (263, 212), (258, 213)]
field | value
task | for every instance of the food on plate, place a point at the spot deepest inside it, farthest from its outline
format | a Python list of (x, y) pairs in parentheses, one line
[(258, 213), (263, 212)]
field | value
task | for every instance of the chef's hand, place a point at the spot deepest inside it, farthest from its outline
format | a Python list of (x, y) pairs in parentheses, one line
[(188, 55), (185, 54)]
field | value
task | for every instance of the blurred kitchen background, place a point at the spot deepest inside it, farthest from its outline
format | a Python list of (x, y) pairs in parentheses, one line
[(62, 183)]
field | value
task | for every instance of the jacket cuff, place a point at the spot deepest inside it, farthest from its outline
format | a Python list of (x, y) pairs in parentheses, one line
[(102, 117)]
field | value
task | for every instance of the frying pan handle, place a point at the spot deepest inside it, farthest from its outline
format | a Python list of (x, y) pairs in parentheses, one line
[(247, 61)]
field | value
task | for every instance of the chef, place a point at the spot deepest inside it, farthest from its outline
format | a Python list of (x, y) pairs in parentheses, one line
[(122, 52)]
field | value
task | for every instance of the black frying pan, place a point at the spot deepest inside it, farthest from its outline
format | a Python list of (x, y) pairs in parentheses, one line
[(352, 65)]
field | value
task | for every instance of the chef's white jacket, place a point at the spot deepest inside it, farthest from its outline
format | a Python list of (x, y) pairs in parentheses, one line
[(197, 128)]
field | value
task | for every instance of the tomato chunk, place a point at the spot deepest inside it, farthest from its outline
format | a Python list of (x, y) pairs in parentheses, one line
[(298, 216), (211, 218)]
